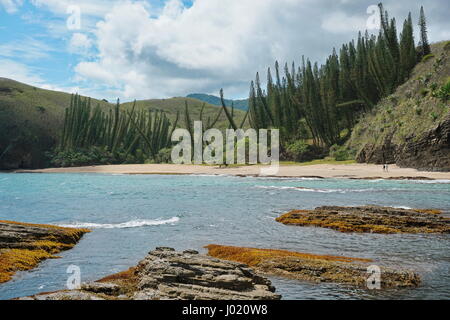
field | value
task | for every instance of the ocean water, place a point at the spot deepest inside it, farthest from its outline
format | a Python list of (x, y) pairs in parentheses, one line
[(131, 215)]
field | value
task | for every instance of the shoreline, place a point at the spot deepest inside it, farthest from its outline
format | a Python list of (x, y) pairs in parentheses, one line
[(318, 171)]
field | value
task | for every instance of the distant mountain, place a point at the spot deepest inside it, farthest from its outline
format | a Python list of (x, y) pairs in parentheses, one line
[(238, 104)]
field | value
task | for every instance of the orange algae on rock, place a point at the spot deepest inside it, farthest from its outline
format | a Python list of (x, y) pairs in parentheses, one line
[(15, 260), (369, 219), (312, 267), (24, 245), (254, 256)]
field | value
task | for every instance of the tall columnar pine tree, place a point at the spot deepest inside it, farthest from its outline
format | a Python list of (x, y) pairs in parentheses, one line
[(424, 45), (120, 132)]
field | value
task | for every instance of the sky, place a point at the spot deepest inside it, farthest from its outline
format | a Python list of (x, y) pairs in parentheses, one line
[(110, 49)]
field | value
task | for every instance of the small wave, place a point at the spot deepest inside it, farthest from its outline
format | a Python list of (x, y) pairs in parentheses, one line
[(290, 178), (329, 190), (442, 181), (208, 175), (418, 181), (124, 225), (303, 189)]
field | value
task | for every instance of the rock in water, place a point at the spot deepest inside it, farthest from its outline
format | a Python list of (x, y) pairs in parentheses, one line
[(166, 274), (315, 268), (24, 245), (369, 219)]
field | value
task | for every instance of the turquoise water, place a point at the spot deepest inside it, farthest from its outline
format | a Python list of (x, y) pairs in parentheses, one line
[(131, 215)]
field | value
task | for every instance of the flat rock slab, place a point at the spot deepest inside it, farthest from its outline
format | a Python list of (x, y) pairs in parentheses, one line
[(370, 219), (315, 268), (24, 245), (166, 274)]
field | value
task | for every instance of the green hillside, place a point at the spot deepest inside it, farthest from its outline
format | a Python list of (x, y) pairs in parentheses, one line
[(173, 105), (238, 104), (31, 120), (397, 130)]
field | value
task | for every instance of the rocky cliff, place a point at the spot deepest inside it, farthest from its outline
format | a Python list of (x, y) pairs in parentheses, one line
[(411, 128)]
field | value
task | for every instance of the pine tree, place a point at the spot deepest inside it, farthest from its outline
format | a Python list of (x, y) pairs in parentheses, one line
[(424, 45), (408, 57)]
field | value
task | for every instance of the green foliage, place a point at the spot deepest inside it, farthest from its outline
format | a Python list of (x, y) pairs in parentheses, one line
[(340, 153), (82, 157), (330, 97), (443, 92), (427, 57), (418, 111), (40, 109), (300, 151), (424, 46), (238, 104), (447, 46), (424, 92), (19, 117), (164, 156), (127, 136)]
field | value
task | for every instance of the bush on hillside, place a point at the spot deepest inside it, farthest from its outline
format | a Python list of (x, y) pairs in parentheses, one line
[(77, 158), (427, 57), (340, 153), (300, 151), (444, 92)]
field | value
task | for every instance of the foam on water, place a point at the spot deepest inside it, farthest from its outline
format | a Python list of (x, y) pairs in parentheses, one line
[(124, 225)]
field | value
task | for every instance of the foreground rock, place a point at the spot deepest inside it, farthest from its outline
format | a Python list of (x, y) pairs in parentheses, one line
[(315, 268), (370, 219), (169, 275), (23, 245)]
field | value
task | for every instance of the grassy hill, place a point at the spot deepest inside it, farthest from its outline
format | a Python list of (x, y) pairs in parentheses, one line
[(31, 120), (410, 126), (238, 104)]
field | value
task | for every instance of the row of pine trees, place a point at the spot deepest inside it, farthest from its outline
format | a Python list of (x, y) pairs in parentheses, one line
[(121, 133), (322, 102)]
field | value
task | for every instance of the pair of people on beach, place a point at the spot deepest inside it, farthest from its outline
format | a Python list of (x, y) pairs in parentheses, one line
[(385, 168)]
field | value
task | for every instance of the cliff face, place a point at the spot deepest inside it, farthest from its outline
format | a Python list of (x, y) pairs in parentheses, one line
[(429, 151), (411, 128)]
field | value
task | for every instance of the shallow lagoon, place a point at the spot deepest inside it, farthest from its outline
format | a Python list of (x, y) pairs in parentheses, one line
[(130, 215)]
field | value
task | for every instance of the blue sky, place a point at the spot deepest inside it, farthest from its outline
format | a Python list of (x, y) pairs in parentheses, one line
[(164, 48)]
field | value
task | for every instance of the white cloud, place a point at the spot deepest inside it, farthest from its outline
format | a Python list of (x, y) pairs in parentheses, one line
[(28, 48), (11, 6), (341, 22), (202, 48), (80, 43), (19, 72), (96, 8)]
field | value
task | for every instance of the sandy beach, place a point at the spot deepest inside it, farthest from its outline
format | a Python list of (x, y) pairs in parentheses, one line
[(350, 171)]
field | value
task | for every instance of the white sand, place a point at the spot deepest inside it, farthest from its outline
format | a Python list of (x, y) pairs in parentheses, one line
[(324, 170)]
